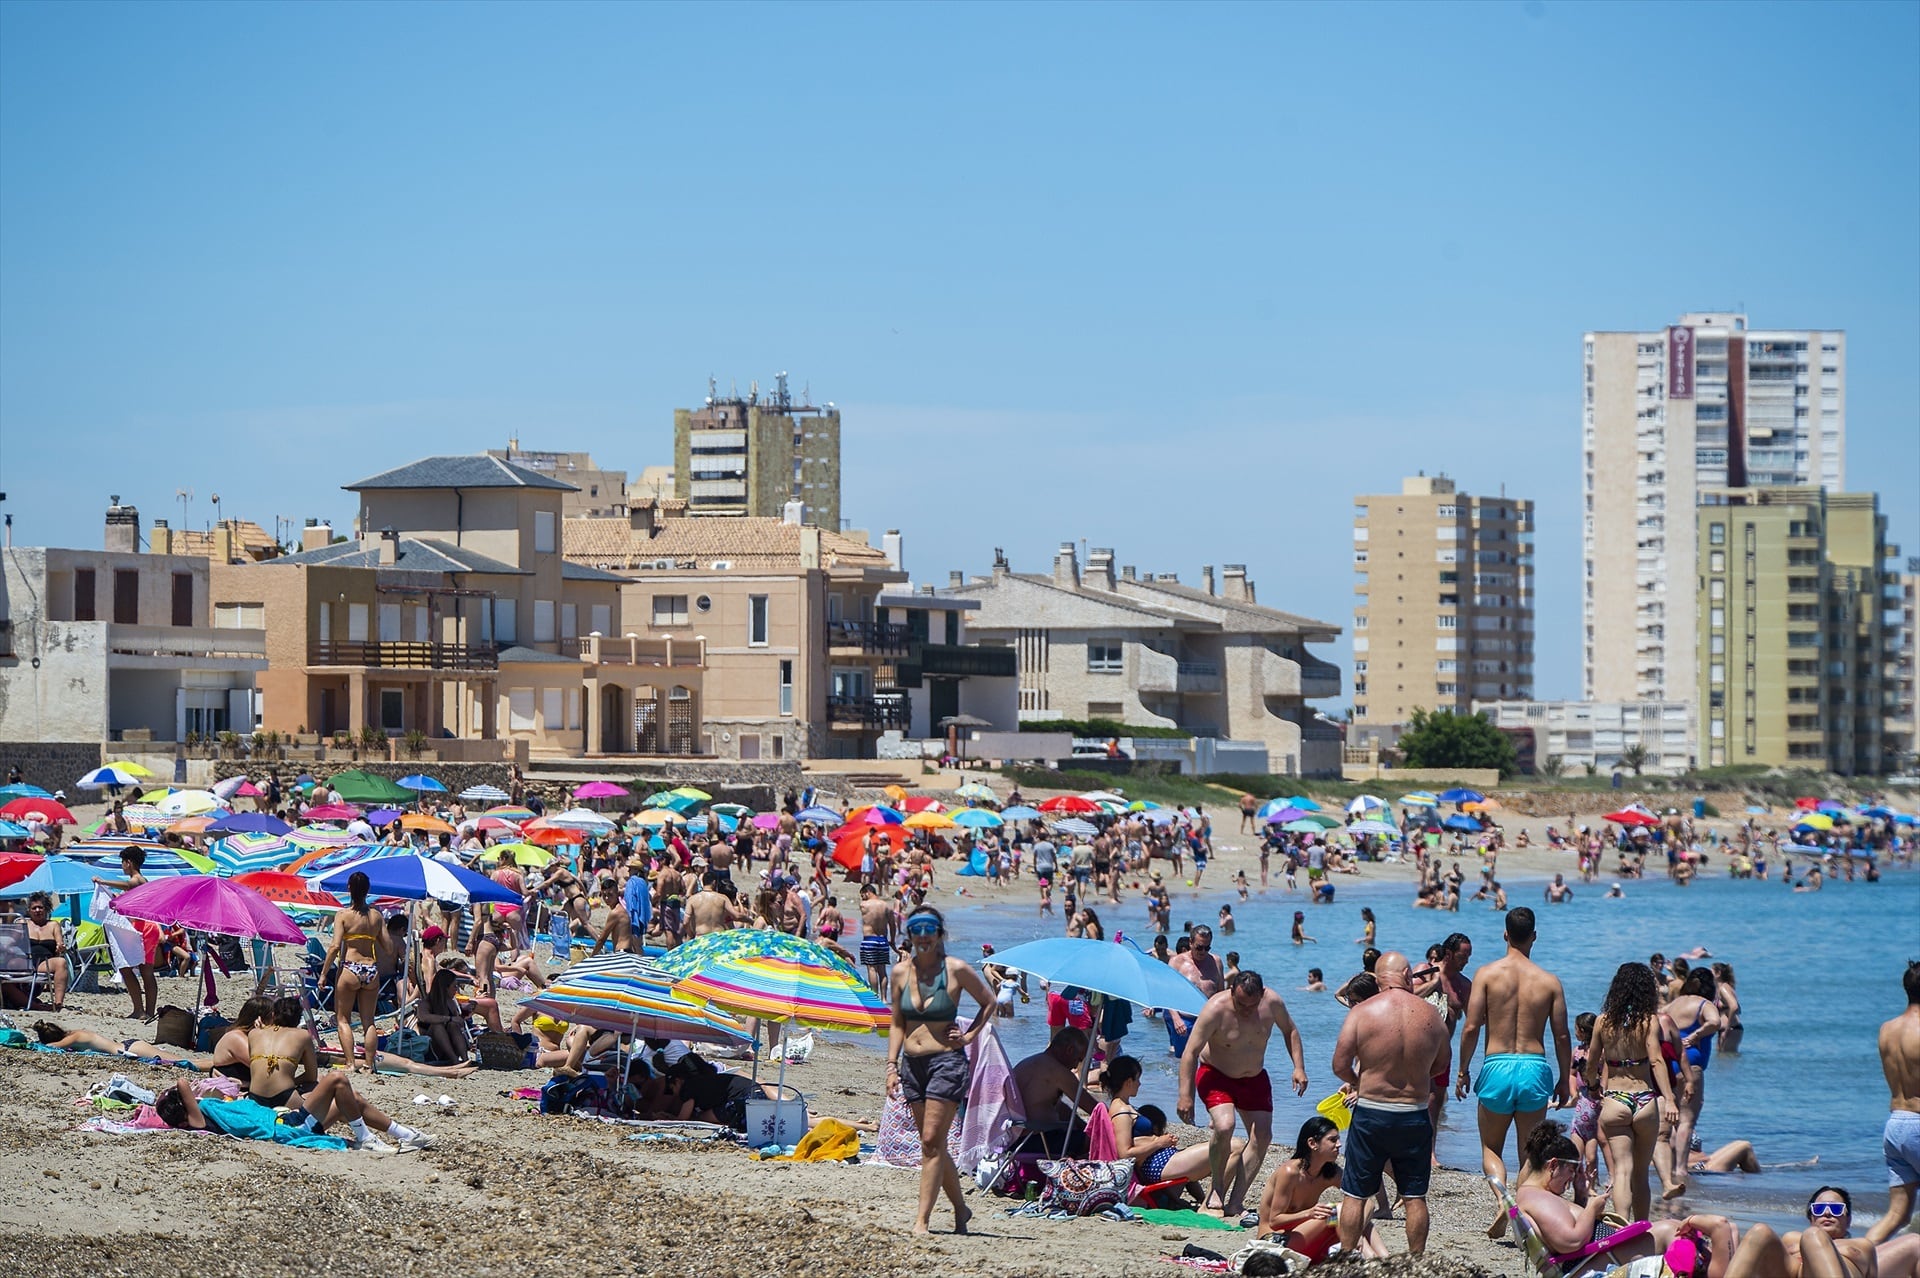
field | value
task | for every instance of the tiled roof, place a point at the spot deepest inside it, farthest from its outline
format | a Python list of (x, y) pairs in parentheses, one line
[(412, 555), (249, 538), (475, 471), (570, 571), (1251, 616), (701, 541)]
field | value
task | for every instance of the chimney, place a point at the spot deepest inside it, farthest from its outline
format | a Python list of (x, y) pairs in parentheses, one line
[(1234, 584), (926, 590), (315, 535), (1206, 578), (1100, 568), (222, 543), (1126, 572), (123, 527), (891, 547), (384, 544), (1000, 565), (794, 512), (641, 517), (956, 579), (160, 538), (809, 547), (1066, 566)]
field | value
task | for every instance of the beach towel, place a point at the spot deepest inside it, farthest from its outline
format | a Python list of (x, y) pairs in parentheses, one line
[(976, 866), (830, 1141), (249, 1120), (1101, 1146), (1183, 1219), (993, 1104)]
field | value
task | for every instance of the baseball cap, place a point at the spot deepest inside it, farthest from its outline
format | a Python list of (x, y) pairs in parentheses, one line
[(432, 933)]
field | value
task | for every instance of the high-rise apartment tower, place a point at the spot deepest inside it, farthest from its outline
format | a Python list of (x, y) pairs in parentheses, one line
[(1705, 403), (1443, 609), (752, 456)]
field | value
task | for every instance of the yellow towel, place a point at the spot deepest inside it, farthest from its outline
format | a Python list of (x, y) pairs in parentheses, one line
[(830, 1141)]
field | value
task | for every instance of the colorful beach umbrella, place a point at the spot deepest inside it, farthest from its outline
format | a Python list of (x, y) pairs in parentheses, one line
[(653, 817), (206, 904), (51, 811), (816, 815), (415, 878), (129, 767), (517, 854), (1632, 816), (1814, 821), (425, 822), (249, 823), (101, 778), (1069, 804), (183, 803), (321, 861), (929, 821), (626, 994), (576, 819), (56, 876), (419, 783), (161, 862), (768, 974), (320, 836), (356, 786), (288, 891), (485, 794), (1373, 827), (1419, 799), (507, 812), (600, 790), (977, 791), (20, 790), (978, 818), (238, 854), (1074, 825), (551, 836), (1365, 803), (692, 792), (701, 824)]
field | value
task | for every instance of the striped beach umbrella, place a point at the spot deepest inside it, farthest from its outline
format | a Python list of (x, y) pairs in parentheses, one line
[(769, 974), (162, 862), (289, 891), (626, 994), (415, 878), (239, 854), (319, 836), (1074, 825), (320, 861), (507, 812), (485, 794)]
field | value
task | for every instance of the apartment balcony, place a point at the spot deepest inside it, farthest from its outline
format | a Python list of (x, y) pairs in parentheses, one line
[(957, 660), (867, 638), (400, 655), (607, 650), (868, 714), (183, 647)]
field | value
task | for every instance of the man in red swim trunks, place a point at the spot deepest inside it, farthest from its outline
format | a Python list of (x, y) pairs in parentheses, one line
[(1225, 1062)]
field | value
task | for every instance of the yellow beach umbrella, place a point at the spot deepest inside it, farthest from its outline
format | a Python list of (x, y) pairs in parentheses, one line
[(691, 792), (657, 817), (527, 854), (1817, 820), (129, 767), (929, 821)]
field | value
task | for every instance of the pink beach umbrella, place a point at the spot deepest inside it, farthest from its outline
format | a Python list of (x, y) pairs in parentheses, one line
[(332, 812), (767, 821), (203, 903), (600, 790)]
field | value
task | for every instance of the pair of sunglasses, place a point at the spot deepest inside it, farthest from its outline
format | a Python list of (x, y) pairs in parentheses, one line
[(923, 927), (1826, 1209)]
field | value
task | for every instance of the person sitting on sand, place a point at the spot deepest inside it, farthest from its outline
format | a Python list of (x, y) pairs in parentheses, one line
[(1290, 1208), (1156, 1154), (1574, 1234), (444, 1021)]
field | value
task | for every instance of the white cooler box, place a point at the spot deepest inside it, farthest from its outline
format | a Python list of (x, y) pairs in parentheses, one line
[(777, 1122)]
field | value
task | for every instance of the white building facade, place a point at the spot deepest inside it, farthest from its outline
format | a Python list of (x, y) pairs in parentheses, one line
[(1705, 403), (1597, 734)]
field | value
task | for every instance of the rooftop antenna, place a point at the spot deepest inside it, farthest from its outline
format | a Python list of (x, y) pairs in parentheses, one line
[(713, 387), (185, 497), (216, 510), (780, 397), (806, 393)]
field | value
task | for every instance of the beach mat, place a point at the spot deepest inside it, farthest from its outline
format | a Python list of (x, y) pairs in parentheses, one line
[(1183, 1219)]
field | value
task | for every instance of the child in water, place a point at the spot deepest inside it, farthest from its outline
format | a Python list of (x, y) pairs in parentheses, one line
[(1300, 936), (1226, 920), (1240, 882)]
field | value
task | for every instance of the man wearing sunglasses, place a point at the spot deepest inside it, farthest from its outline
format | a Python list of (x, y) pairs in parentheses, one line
[(1825, 1249)]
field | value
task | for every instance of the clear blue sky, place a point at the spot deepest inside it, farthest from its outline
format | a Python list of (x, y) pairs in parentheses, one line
[(1179, 280)]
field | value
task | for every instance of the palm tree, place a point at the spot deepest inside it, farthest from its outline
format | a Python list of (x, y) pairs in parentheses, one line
[(1635, 757)]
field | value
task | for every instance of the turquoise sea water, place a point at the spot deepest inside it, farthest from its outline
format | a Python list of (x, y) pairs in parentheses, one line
[(1817, 973)]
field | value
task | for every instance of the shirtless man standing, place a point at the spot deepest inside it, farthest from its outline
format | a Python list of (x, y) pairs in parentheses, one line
[(1203, 972), (711, 909), (1515, 999), (1900, 1060), (1225, 1063), (1391, 1048), (877, 933), (617, 932)]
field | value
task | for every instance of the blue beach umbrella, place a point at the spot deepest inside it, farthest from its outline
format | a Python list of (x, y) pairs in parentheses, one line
[(1461, 796), (19, 791), (249, 823), (56, 876), (421, 782), (1462, 822), (979, 818), (415, 878), (817, 815), (1020, 812)]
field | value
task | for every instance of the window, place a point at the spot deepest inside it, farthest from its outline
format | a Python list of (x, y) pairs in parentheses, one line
[(704, 603), (240, 616), (543, 621), (573, 708), (1716, 589), (749, 745), (1716, 673), (183, 599), (389, 623), (779, 746), (520, 709), (393, 709), (569, 621), (602, 619), (1717, 644), (1105, 656), (669, 610), (543, 532), (1716, 534), (1448, 689), (553, 708), (356, 623), (1448, 621), (1104, 710), (85, 595), (757, 620), (1717, 561), (786, 687), (506, 622), (126, 597), (1717, 617)]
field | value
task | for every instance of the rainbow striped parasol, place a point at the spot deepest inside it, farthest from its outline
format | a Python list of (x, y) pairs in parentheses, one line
[(322, 861), (627, 994), (769, 974), (320, 836), (239, 854), (507, 812)]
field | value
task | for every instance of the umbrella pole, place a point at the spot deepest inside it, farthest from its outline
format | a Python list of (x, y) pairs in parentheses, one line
[(1094, 1002)]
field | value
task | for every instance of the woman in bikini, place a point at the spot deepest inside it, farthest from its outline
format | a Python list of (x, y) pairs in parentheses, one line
[(1728, 999), (1696, 1018), (1155, 1158), (1575, 1236), (444, 1021), (1290, 1206), (927, 1062), (1625, 1066), (359, 937)]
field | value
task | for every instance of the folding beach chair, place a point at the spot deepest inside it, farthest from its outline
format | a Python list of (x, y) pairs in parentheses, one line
[(16, 961)]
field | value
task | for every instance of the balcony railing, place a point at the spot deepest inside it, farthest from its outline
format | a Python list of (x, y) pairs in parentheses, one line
[(400, 655), (962, 660), (870, 714), (209, 643), (878, 637)]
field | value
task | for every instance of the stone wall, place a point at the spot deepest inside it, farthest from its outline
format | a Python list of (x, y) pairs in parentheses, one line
[(52, 765)]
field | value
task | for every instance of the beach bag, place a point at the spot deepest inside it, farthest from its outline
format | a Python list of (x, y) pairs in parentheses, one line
[(501, 1051), (1084, 1187), (564, 1095), (212, 1026), (175, 1028), (776, 1122)]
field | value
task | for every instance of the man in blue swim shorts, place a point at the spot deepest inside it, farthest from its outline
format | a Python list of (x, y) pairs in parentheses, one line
[(1900, 1060), (1514, 1000)]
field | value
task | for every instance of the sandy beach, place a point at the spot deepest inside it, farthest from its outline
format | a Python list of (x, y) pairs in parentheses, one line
[(505, 1190)]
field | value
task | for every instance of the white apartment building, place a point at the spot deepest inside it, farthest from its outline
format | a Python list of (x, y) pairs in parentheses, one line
[(1704, 403), (1597, 734)]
